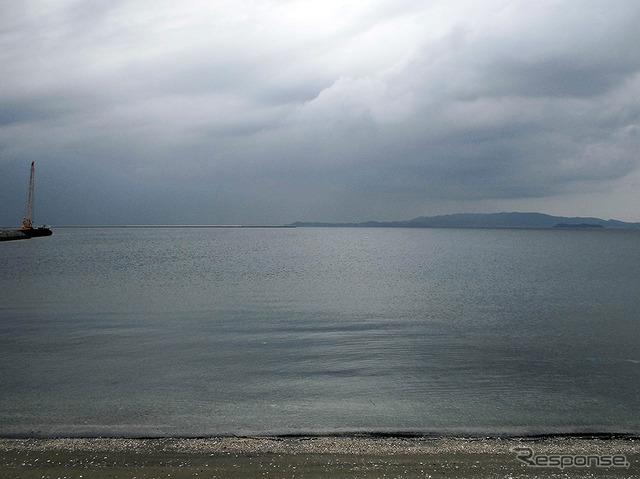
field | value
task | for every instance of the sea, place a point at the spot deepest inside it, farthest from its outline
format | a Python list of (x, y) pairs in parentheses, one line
[(193, 332)]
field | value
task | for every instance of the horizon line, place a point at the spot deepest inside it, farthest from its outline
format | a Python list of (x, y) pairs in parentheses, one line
[(172, 226)]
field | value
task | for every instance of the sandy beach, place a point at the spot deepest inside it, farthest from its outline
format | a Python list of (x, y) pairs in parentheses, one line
[(316, 457)]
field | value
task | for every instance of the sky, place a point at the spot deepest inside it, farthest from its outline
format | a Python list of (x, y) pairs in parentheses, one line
[(270, 112)]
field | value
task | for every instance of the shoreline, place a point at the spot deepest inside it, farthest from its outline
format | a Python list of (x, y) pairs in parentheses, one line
[(310, 456), (355, 435)]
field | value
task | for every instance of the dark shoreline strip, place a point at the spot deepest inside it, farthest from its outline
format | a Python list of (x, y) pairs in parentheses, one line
[(337, 435), (12, 235)]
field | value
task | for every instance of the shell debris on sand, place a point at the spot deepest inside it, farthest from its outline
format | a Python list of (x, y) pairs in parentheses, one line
[(309, 457), (330, 445)]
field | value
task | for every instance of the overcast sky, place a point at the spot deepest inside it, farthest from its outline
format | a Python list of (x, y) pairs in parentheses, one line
[(255, 112)]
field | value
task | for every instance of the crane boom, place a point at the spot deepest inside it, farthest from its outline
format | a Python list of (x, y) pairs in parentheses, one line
[(28, 220)]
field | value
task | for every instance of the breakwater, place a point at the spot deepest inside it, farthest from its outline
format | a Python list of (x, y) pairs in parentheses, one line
[(12, 234)]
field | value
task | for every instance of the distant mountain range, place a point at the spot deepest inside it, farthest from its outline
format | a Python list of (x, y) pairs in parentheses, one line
[(489, 220)]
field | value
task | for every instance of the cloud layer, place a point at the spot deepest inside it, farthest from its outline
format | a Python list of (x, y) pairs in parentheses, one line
[(273, 111)]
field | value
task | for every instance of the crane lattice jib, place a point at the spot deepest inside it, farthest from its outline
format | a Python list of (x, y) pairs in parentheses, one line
[(28, 220)]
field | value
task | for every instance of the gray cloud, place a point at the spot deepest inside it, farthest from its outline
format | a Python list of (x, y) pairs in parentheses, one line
[(140, 112)]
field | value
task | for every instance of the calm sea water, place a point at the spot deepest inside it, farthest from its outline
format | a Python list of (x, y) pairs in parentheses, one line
[(145, 332)]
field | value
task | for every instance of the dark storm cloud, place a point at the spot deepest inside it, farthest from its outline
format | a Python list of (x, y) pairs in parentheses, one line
[(274, 111)]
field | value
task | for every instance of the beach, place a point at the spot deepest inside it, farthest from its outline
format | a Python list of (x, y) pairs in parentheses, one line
[(314, 457)]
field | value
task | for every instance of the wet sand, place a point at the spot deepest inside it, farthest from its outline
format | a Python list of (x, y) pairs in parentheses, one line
[(308, 457)]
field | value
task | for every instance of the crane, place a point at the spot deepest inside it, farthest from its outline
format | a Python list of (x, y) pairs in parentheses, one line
[(27, 221)]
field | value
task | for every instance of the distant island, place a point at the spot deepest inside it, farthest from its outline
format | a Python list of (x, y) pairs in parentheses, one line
[(581, 225), (488, 220)]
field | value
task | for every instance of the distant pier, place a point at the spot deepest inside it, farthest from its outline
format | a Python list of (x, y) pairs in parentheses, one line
[(12, 234)]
